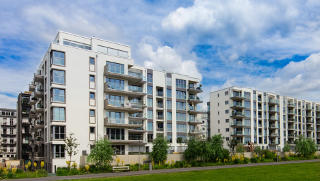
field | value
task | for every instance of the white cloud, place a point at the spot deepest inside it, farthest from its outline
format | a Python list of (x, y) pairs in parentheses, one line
[(168, 59), (8, 102)]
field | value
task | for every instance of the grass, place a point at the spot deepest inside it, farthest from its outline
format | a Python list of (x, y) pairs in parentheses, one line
[(300, 171)]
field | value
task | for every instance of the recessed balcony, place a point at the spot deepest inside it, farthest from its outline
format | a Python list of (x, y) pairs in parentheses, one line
[(122, 106), (39, 108), (132, 77), (239, 124), (32, 87), (195, 89), (195, 131), (273, 102), (237, 105), (237, 96), (113, 123), (38, 78), (236, 114), (131, 92), (194, 99), (194, 121), (291, 105)]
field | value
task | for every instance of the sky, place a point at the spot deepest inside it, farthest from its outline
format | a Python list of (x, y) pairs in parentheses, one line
[(271, 45)]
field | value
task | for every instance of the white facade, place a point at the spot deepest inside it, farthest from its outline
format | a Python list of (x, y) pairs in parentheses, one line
[(265, 119), (92, 89), (8, 122)]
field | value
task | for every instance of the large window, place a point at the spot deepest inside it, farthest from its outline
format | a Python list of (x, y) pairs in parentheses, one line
[(58, 151), (92, 61), (149, 90), (169, 104), (58, 114), (181, 116), (169, 127), (115, 67), (181, 128), (181, 94), (150, 126), (180, 105), (58, 76), (150, 102), (169, 115), (115, 100), (115, 84), (115, 134), (58, 95), (150, 114), (58, 58), (169, 93), (181, 83), (116, 117), (58, 132)]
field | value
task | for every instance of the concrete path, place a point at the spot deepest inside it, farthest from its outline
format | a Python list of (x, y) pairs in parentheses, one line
[(120, 174)]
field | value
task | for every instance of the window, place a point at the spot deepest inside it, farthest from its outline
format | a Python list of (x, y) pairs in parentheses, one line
[(181, 83), (180, 105), (115, 84), (58, 76), (58, 151), (169, 138), (218, 130), (77, 44), (115, 67), (92, 78), (58, 95), (92, 95), (169, 115), (92, 130), (181, 94), (92, 113), (58, 58), (115, 134), (149, 78), (169, 81), (169, 93), (181, 116), (150, 114), (169, 104), (58, 132), (92, 61), (150, 126), (227, 120), (218, 121), (227, 129), (58, 114), (116, 117), (227, 111), (115, 100), (181, 128), (226, 102), (149, 90), (150, 102), (169, 127), (226, 93)]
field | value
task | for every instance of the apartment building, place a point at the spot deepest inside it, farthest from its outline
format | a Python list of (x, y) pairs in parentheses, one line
[(8, 121), (91, 88), (266, 119)]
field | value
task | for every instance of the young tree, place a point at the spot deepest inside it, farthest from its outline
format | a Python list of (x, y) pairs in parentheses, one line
[(101, 154), (71, 146), (232, 144), (216, 149), (286, 148), (305, 147), (193, 150), (240, 148), (159, 150)]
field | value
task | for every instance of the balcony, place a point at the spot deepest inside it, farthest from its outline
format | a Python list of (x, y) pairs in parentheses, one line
[(133, 92), (195, 121), (32, 87), (310, 129), (38, 78), (273, 118), (195, 89), (236, 114), (291, 112), (193, 110), (132, 77), (237, 105), (290, 135), (136, 130), (39, 108), (274, 135), (195, 131), (136, 117), (127, 142), (240, 124), (273, 126), (309, 107), (291, 120), (237, 96), (291, 128), (113, 123), (159, 106), (121, 106), (194, 99), (39, 125), (309, 115), (273, 102), (273, 110), (310, 121), (291, 105)]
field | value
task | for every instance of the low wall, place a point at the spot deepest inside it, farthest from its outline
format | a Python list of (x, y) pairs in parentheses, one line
[(133, 159)]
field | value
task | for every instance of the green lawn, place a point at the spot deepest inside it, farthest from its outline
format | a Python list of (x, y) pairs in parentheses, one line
[(301, 172)]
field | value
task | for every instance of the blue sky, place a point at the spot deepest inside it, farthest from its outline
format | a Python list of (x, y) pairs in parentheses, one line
[(269, 45)]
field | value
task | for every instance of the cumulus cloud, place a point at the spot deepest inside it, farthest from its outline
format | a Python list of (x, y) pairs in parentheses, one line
[(8, 102), (166, 58)]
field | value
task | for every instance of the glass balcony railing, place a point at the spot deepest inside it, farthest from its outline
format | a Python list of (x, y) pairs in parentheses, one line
[(135, 88), (135, 74), (116, 120)]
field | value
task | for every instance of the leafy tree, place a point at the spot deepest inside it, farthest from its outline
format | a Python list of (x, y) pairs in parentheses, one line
[(216, 148), (159, 150), (286, 148), (193, 150), (305, 147), (101, 154), (240, 148), (257, 150), (71, 146)]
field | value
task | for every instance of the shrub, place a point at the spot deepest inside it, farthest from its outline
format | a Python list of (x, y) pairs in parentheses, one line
[(286, 148), (254, 160), (245, 160), (240, 148), (192, 152), (257, 150), (159, 150), (268, 154), (305, 147)]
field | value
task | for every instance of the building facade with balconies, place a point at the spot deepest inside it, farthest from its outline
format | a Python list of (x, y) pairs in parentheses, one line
[(8, 121), (262, 118), (91, 88)]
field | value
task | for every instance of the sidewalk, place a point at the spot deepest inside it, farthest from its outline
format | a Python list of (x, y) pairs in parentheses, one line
[(144, 172)]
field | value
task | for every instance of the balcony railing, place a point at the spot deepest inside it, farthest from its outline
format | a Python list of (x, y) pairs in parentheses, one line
[(273, 101)]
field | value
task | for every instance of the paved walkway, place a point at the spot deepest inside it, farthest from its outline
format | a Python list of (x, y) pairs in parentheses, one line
[(119, 174)]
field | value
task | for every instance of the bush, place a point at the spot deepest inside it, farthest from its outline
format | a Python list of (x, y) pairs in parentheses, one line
[(240, 148), (305, 147), (286, 148), (257, 150), (254, 160), (268, 154), (245, 160)]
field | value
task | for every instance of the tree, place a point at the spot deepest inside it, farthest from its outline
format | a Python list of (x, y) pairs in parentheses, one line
[(101, 154), (286, 148), (71, 146), (232, 144), (215, 148), (193, 150), (240, 148), (159, 150), (305, 146), (257, 150)]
